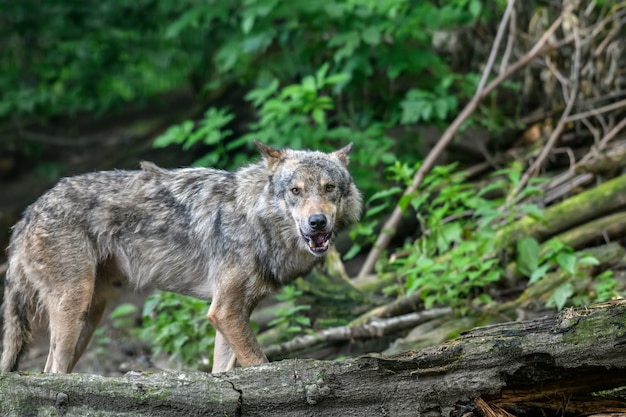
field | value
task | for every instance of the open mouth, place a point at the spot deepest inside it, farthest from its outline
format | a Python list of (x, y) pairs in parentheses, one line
[(318, 242)]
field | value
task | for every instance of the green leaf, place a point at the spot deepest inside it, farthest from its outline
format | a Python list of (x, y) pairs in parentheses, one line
[(320, 76), (588, 260), (560, 296), (150, 305), (567, 261), (539, 273), (247, 24), (188, 19), (404, 201), (339, 78), (174, 135), (123, 310), (385, 194), (527, 255), (305, 321), (309, 83), (259, 95), (371, 35), (318, 116), (348, 41), (533, 211), (442, 107), (475, 7), (293, 329), (352, 252)]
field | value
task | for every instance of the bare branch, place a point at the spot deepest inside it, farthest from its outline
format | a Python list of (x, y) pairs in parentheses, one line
[(374, 329), (534, 168), (496, 45)]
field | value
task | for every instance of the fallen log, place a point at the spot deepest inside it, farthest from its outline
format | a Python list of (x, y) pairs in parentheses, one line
[(573, 362), (611, 227), (581, 208)]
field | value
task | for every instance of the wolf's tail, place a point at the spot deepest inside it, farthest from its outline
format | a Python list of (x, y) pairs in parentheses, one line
[(17, 308)]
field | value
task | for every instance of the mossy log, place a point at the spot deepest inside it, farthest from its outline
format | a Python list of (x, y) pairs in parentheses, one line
[(572, 362), (586, 206), (609, 227)]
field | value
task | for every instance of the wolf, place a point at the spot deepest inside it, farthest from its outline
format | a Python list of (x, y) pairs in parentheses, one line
[(229, 237)]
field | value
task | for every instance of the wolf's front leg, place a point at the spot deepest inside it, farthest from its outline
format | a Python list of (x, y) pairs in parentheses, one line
[(230, 315)]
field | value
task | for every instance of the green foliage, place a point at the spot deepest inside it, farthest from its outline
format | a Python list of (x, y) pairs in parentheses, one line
[(314, 74), (605, 288), (430, 105), (64, 57), (210, 130), (123, 316), (457, 257), (454, 258), (290, 319), (177, 325), (296, 115), (553, 257), (123, 321)]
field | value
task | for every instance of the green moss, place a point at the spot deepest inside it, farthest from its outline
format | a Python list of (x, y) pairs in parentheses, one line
[(584, 327)]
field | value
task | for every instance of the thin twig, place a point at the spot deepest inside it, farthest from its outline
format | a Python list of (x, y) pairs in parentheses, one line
[(604, 109), (506, 55), (556, 133), (496, 45), (612, 133)]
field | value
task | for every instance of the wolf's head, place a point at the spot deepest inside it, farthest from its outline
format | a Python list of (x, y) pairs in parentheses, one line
[(316, 190)]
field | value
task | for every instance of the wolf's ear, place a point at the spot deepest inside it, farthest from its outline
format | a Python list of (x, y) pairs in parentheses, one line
[(272, 155), (344, 154)]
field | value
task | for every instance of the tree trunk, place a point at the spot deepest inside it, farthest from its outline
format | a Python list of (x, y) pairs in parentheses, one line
[(570, 363)]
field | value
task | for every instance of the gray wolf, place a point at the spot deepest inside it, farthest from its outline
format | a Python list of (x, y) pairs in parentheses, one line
[(231, 237)]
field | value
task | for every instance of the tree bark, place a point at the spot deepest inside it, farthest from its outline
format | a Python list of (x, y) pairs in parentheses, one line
[(572, 362)]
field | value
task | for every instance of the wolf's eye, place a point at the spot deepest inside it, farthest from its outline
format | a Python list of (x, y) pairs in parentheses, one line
[(295, 191), (329, 187)]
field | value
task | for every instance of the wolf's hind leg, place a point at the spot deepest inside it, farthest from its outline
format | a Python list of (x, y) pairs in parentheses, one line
[(223, 356), (70, 331), (95, 315)]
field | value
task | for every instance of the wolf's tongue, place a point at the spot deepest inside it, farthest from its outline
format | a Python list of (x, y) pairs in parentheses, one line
[(319, 239)]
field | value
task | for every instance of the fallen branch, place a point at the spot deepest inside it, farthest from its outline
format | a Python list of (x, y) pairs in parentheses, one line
[(374, 329), (399, 306)]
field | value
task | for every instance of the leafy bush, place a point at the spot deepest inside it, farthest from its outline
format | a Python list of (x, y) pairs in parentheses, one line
[(177, 325), (290, 318), (457, 257)]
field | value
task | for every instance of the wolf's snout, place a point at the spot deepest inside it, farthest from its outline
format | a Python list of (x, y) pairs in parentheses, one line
[(316, 235), (318, 222)]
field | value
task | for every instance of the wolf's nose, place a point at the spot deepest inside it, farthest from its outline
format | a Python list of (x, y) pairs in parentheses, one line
[(317, 222)]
